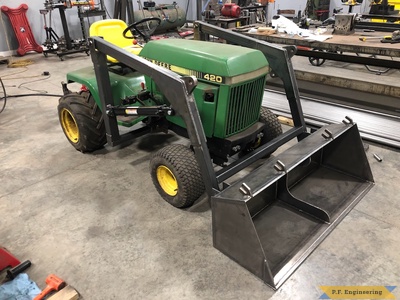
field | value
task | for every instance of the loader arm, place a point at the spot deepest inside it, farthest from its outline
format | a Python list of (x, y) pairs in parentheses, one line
[(281, 65), (278, 58), (177, 89)]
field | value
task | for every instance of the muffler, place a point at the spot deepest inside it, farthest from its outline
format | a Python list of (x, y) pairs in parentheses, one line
[(272, 219)]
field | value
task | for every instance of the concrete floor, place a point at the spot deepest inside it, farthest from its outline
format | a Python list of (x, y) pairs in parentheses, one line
[(96, 220)]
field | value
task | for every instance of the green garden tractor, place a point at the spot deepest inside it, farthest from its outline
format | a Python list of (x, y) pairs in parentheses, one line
[(212, 94)]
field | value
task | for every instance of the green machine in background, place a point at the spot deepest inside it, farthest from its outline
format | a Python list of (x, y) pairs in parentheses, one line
[(171, 15), (318, 9)]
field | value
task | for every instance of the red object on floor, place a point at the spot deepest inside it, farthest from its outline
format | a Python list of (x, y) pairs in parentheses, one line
[(22, 29), (7, 259), (54, 283)]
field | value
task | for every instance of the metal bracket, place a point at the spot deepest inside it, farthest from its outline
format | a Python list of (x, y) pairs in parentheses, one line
[(327, 134), (291, 50), (190, 82), (246, 190), (280, 166), (348, 121)]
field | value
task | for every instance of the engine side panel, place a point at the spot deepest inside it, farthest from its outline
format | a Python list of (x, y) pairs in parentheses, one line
[(122, 85)]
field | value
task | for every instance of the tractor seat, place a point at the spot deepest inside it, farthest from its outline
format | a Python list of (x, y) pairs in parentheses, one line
[(111, 30)]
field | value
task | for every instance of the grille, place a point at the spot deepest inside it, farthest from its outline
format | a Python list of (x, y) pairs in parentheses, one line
[(244, 106)]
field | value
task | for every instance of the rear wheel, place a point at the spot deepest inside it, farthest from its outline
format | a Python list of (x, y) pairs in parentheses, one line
[(273, 128), (82, 121), (176, 175)]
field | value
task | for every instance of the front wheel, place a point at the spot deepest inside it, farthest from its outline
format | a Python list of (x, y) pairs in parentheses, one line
[(176, 175), (273, 127), (82, 121)]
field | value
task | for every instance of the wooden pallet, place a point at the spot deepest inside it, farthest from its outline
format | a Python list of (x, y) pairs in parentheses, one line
[(67, 293), (3, 60)]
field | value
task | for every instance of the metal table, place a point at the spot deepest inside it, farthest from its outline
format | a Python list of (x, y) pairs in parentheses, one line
[(226, 22), (347, 48)]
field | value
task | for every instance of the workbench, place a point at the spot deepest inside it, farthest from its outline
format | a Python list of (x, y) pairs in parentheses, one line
[(346, 48), (225, 22)]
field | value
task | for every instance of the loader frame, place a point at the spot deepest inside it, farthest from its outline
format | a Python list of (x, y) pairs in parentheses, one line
[(331, 162), (177, 90)]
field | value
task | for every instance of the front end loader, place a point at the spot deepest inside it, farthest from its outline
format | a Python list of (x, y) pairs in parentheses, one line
[(273, 218)]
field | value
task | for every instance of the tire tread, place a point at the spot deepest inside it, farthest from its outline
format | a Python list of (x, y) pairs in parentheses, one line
[(92, 134), (182, 162)]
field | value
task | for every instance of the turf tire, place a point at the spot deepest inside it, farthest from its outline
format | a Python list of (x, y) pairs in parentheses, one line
[(273, 128), (182, 163)]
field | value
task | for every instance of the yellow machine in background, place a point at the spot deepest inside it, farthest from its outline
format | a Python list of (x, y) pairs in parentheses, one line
[(384, 8)]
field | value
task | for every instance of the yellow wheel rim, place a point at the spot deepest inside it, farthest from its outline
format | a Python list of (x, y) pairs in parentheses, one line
[(69, 125), (167, 180)]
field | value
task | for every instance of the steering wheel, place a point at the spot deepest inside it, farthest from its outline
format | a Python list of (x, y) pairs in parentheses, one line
[(144, 32)]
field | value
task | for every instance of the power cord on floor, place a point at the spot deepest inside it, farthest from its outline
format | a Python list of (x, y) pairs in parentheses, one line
[(39, 92), (3, 96), (33, 94), (20, 63), (33, 76), (33, 90), (15, 73), (6, 77)]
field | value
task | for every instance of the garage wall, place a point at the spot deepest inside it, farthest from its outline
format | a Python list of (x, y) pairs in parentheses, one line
[(37, 23)]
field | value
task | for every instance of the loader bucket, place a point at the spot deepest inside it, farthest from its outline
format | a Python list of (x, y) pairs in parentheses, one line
[(273, 218)]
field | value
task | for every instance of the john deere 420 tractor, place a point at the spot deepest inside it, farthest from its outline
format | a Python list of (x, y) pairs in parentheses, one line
[(228, 97), (212, 93)]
